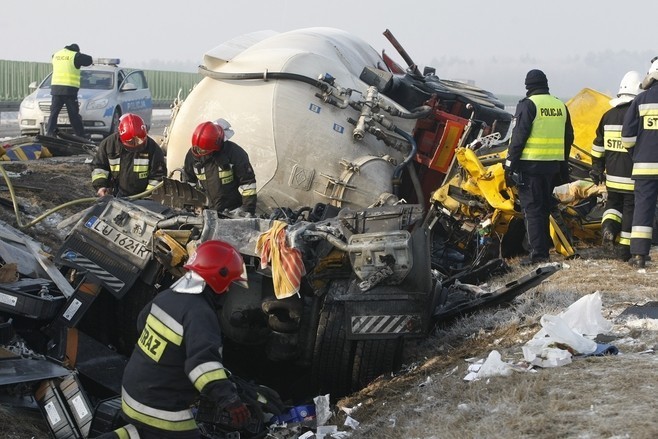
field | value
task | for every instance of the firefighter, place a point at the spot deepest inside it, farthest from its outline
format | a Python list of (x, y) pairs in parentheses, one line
[(612, 164), (178, 355), (222, 169), (640, 135), (537, 159), (64, 86), (127, 162)]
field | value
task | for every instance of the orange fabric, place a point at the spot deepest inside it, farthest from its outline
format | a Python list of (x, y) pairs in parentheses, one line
[(286, 261)]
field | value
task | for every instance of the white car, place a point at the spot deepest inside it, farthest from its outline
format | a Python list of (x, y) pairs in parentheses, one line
[(106, 92)]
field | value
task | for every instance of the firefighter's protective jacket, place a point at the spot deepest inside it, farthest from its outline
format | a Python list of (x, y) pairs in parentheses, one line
[(609, 155), (177, 356), (640, 132), (226, 176), (127, 172)]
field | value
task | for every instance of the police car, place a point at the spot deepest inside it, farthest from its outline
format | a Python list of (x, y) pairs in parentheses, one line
[(106, 92)]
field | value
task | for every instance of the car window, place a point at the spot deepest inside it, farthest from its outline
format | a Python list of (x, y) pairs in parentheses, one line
[(46, 82), (138, 79), (96, 80), (89, 79)]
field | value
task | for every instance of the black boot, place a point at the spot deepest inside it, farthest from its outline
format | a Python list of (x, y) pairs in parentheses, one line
[(608, 238), (638, 261), (622, 253)]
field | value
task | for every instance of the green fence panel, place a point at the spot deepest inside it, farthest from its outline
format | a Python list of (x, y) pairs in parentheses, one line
[(16, 76)]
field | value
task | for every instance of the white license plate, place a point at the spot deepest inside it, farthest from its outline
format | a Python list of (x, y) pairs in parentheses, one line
[(111, 234), (61, 120)]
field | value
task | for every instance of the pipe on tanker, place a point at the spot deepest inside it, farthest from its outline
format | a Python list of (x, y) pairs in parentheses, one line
[(340, 245), (397, 172), (180, 220), (262, 76), (416, 113)]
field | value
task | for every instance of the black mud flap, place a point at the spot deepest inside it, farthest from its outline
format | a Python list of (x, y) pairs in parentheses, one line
[(464, 304)]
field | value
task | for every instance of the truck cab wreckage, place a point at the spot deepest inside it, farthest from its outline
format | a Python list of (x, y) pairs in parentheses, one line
[(349, 150)]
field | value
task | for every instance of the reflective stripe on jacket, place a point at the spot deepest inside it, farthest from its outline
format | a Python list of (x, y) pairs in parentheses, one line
[(608, 152), (546, 140), (177, 356), (127, 172), (640, 132), (226, 177), (64, 71)]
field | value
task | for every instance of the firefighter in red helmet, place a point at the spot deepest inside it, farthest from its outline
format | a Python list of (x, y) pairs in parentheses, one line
[(127, 162), (179, 352), (222, 169)]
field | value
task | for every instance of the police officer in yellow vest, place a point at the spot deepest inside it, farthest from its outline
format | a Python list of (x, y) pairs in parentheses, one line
[(64, 86), (537, 159)]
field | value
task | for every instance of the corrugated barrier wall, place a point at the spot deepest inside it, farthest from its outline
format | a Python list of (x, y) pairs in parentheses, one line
[(16, 76)]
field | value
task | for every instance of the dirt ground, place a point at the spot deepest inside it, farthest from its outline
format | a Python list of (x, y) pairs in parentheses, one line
[(593, 397)]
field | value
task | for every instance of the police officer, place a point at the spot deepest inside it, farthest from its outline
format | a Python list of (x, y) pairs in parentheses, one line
[(612, 163), (537, 159), (127, 162), (64, 86), (640, 135), (223, 170), (179, 352)]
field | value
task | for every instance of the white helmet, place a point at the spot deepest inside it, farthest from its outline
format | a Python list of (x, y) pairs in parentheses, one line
[(654, 65), (652, 75), (629, 87)]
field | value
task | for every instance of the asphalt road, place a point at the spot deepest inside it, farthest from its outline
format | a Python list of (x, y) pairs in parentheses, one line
[(9, 123)]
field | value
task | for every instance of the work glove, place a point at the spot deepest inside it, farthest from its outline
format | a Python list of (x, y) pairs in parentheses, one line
[(565, 177), (597, 176), (238, 413), (509, 179), (103, 191)]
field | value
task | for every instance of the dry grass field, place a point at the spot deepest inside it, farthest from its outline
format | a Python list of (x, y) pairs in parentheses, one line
[(593, 397)]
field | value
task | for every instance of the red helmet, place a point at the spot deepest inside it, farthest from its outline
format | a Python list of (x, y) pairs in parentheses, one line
[(132, 131), (219, 264), (207, 138)]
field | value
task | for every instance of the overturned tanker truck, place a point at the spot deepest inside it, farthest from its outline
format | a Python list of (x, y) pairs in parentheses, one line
[(347, 147)]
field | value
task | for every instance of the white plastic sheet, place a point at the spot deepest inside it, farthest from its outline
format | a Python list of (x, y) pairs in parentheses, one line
[(567, 332)]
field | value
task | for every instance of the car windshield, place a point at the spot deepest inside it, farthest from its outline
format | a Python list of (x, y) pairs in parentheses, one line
[(90, 79)]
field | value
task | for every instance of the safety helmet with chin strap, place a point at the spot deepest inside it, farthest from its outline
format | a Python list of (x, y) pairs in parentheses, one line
[(629, 87), (207, 138), (132, 132), (219, 264), (652, 75)]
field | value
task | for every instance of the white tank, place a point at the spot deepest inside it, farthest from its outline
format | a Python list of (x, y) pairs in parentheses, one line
[(302, 149)]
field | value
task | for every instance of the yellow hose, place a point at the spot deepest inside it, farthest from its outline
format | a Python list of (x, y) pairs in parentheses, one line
[(61, 206)]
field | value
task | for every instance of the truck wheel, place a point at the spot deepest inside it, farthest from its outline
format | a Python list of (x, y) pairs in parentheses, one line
[(341, 366), (373, 358)]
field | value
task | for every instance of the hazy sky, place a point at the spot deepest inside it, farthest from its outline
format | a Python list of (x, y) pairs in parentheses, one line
[(578, 43)]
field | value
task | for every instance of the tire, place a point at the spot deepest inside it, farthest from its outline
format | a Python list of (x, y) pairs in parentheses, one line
[(341, 366)]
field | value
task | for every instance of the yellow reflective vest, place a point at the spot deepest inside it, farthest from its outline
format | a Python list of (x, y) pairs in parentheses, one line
[(64, 71), (546, 140)]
